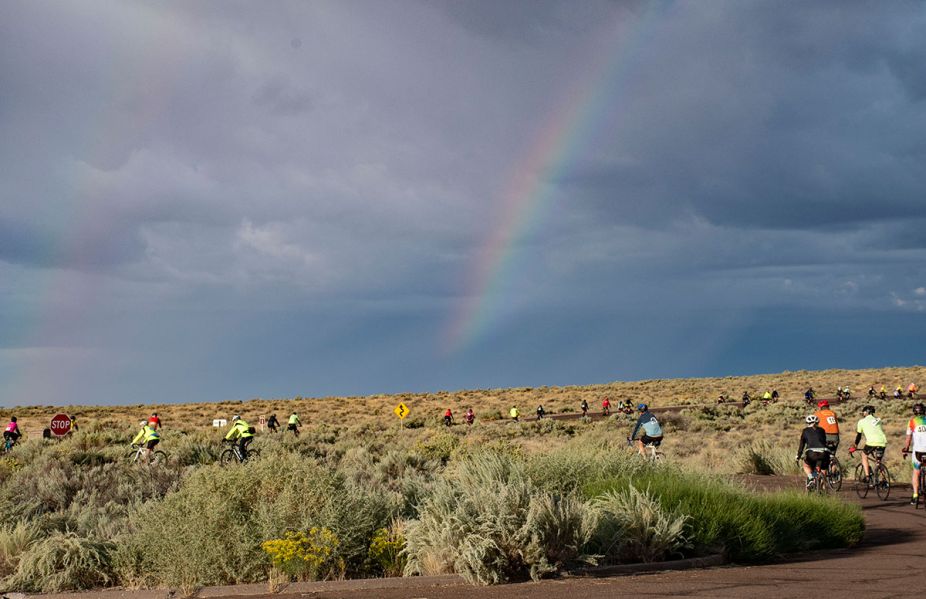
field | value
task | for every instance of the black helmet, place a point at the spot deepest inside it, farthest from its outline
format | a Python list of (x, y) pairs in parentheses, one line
[(868, 410), (13, 418), (919, 409)]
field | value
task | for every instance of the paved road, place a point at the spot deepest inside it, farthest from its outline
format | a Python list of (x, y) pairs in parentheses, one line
[(885, 564)]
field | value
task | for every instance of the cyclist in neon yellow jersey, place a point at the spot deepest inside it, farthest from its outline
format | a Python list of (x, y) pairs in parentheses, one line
[(240, 433), (916, 432), (148, 435), (875, 440)]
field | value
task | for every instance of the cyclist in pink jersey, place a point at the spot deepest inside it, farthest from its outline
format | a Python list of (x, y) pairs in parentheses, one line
[(11, 432)]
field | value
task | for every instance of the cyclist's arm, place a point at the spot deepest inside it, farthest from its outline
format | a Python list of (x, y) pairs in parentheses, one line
[(858, 439), (138, 437), (906, 446), (636, 429), (800, 448), (232, 433)]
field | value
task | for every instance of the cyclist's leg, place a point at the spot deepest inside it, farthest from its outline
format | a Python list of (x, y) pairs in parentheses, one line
[(915, 479), (865, 462)]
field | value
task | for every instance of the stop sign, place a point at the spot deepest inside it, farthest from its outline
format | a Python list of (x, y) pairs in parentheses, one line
[(60, 425)]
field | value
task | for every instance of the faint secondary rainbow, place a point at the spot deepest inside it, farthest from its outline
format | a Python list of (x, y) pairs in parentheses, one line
[(527, 197)]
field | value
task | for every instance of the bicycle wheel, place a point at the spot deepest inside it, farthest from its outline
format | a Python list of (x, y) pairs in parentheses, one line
[(228, 457), (834, 476), (132, 456), (158, 457), (861, 482), (883, 482), (253, 454)]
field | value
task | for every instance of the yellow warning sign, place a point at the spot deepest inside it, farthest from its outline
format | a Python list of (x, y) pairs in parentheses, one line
[(401, 410)]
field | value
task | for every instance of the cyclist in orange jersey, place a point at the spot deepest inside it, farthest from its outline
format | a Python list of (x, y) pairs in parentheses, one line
[(829, 422)]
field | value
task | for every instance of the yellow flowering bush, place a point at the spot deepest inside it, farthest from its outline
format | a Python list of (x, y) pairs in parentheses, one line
[(306, 555), (386, 550)]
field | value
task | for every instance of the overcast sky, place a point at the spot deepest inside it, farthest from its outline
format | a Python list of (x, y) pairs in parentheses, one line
[(224, 200)]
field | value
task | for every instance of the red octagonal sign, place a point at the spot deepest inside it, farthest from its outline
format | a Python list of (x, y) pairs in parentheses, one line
[(60, 425)]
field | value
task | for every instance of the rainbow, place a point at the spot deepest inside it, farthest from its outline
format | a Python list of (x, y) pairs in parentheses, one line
[(527, 196)]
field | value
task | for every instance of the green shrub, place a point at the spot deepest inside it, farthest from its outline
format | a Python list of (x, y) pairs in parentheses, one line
[(387, 550), (62, 561), (14, 541), (226, 513), (306, 555), (633, 526), (749, 527), (489, 523)]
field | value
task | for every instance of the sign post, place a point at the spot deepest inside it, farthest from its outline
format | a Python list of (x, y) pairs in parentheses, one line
[(401, 411), (60, 425)]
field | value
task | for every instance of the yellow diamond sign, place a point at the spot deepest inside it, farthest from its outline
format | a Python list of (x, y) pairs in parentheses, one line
[(401, 410)]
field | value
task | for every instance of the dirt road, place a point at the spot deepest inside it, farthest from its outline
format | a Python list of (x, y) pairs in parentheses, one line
[(885, 564)]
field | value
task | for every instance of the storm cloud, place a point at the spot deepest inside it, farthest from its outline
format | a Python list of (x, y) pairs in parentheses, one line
[(203, 201)]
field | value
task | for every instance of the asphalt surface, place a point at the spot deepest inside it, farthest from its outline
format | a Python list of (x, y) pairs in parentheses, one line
[(885, 564)]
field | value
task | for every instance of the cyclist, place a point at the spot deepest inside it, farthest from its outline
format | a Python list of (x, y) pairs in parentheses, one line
[(809, 395), (871, 392), (911, 391), (448, 417), (775, 395), (241, 433), (813, 440), (916, 432), (469, 416), (513, 412), (293, 423), (272, 423), (148, 435), (627, 406), (898, 392), (875, 441), (584, 407), (605, 406), (766, 397), (649, 425), (11, 433), (829, 423), (154, 421), (882, 394), (846, 393), (540, 412)]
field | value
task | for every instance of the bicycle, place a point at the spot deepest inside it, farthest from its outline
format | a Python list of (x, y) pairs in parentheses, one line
[(835, 473), (233, 455), (655, 456), (8, 444), (819, 481), (879, 479), (139, 453)]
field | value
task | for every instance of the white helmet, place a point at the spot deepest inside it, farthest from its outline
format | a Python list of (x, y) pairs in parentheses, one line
[(236, 417), (812, 419)]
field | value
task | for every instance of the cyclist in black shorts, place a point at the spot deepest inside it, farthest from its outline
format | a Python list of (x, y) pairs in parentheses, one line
[(813, 440)]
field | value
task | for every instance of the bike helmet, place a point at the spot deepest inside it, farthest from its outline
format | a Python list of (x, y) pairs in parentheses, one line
[(236, 417), (823, 404), (868, 410), (812, 419), (642, 407), (918, 409), (13, 418)]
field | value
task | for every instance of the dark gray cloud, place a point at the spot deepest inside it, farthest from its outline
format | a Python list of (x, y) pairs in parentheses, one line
[(208, 200)]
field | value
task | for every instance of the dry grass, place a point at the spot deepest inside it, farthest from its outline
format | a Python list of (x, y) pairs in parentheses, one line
[(693, 437)]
